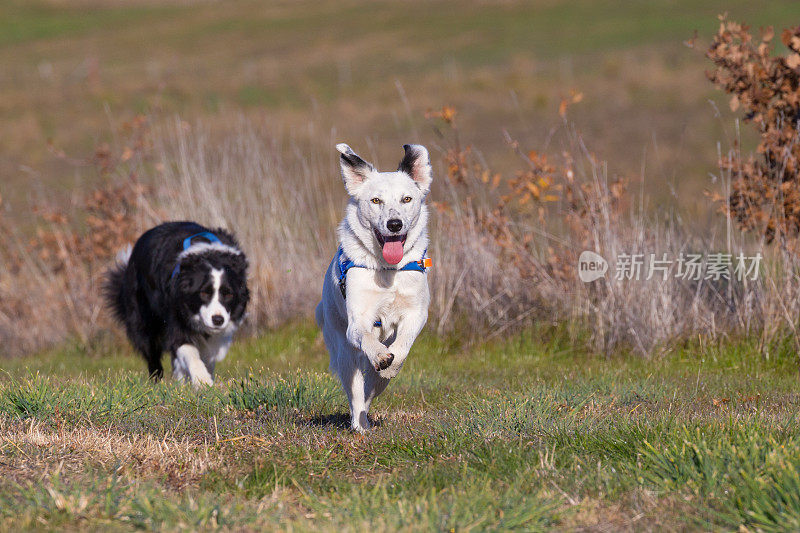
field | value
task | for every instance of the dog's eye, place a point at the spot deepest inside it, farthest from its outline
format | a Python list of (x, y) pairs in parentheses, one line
[(377, 201), (406, 199)]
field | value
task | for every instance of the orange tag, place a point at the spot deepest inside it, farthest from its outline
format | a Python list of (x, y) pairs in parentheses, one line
[(427, 262)]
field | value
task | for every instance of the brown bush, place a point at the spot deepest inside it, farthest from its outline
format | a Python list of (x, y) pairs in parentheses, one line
[(49, 286), (765, 194), (107, 221)]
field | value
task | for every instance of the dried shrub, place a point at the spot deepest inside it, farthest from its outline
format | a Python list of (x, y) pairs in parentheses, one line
[(519, 235), (49, 283), (513, 243), (107, 221), (765, 194), (480, 266)]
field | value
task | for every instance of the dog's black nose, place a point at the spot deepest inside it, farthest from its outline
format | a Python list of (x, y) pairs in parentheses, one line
[(217, 320), (394, 225)]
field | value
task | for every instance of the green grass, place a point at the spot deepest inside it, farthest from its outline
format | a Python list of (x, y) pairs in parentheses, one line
[(23, 22), (529, 433)]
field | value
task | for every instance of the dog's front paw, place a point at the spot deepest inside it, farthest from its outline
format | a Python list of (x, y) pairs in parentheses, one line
[(198, 382), (384, 361), (391, 371), (360, 429), (360, 424)]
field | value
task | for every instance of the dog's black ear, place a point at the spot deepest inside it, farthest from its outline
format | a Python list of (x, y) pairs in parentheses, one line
[(417, 164), (238, 265), (188, 280), (355, 171)]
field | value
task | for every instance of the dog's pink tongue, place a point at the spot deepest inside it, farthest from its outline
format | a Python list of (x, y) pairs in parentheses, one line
[(393, 251)]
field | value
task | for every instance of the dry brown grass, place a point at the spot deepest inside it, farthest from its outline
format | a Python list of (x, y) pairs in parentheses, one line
[(42, 451), (506, 238), (505, 245)]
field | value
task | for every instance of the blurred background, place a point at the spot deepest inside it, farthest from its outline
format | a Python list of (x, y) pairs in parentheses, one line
[(366, 73), (554, 126)]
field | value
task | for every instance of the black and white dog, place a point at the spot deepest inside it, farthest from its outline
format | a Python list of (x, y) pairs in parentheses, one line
[(182, 288)]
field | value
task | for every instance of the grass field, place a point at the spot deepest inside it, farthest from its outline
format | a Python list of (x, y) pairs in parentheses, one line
[(529, 430), (366, 73), (525, 434)]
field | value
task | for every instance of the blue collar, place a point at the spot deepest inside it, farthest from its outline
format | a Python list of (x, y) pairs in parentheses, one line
[(187, 243), (344, 263)]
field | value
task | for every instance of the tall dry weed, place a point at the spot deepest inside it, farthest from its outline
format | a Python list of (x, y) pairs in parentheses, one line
[(505, 246)]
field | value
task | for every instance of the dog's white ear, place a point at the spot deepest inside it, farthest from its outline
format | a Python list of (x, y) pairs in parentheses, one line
[(355, 171), (417, 164)]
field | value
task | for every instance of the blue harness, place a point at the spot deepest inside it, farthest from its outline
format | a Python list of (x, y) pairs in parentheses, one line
[(187, 243), (343, 264)]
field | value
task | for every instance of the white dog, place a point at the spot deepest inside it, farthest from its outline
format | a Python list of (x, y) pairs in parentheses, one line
[(375, 294)]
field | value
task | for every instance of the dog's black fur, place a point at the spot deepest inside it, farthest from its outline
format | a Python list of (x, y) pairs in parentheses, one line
[(156, 307)]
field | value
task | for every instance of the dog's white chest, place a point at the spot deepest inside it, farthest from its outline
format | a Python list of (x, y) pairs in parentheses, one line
[(387, 295), (409, 290), (215, 348)]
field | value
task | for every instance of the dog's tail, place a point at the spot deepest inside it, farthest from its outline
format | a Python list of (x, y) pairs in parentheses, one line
[(112, 287)]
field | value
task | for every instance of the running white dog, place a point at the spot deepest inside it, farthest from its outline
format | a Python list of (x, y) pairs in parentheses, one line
[(375, 294)]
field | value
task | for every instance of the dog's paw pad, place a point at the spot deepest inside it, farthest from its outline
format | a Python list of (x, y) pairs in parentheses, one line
[(384, 362)]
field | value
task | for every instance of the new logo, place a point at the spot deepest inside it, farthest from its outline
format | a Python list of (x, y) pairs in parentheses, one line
[(591, 266)]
